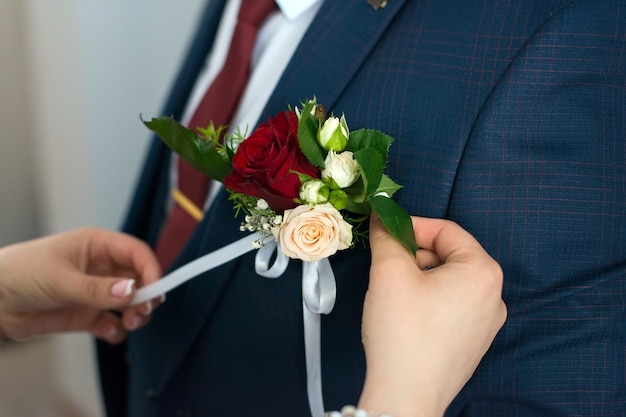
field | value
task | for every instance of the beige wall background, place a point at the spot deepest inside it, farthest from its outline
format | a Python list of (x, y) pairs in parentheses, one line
[(74, 77), (19, 217)]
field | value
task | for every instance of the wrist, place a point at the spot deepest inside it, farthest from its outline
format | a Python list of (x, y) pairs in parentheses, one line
[(352, 411), (400, 397)]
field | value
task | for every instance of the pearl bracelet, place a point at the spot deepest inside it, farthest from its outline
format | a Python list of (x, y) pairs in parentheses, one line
[(352, 411)]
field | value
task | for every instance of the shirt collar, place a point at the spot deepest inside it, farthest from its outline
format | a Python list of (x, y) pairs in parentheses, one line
[(293, 9)]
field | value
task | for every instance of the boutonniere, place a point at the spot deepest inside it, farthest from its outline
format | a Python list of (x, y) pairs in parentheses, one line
[(301, 178), (307, 185)]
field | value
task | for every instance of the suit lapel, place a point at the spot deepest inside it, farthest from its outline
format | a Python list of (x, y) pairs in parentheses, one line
[(334, 47)]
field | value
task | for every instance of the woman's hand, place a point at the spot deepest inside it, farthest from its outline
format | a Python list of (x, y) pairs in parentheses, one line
[(70, 282), (427, 322)]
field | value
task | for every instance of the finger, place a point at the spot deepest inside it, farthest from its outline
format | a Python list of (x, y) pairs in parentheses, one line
[(392, 267), (94, 291), (132, 320), (123, 251), (384, 246), (146, 308), (445, 238), (108, 327), (427, 259), (102, 324)]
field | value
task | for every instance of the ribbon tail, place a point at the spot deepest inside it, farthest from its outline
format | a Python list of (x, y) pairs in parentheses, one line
[(319, 292), (312, 350), (195, 268)]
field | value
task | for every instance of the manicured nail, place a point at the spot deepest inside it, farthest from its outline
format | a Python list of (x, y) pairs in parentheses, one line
[(147, 308), (123, 288), (112, 333), (135, 322)]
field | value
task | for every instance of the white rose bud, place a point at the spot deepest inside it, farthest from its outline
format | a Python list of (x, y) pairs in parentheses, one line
[(299, 112), (341, 168), (312, 233), (334, 134), (314, 192)]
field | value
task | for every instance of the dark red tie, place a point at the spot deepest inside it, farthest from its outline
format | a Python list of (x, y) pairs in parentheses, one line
[(218, 105)]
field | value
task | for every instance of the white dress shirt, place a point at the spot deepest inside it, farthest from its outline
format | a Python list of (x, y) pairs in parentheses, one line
[(276, 42)]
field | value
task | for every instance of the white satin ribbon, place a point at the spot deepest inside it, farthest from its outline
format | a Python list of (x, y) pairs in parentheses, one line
[(319, 292), (263, 257), (192, 269)]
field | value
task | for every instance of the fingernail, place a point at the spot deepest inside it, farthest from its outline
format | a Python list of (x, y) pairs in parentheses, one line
[(147, 308), (162, 298), (135, 322), (123, 288), (112, 333)]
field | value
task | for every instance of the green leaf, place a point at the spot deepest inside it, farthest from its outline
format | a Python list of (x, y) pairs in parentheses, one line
[(195, 150), (388, 186), (358, 207), (303, 177), (372, 165), (356, 191), (396, 220), (370, 139), (307, 136)]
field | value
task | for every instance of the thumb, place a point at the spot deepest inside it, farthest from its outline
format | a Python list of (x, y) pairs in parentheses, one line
[(384, 246), (388, 255)]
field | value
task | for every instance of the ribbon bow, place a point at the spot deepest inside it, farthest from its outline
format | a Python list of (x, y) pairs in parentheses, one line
[(319, 292)]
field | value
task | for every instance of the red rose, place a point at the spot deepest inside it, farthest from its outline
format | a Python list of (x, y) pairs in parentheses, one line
[(263, 163)]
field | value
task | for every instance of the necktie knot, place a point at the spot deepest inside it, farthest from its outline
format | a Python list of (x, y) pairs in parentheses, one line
[(254, 12)]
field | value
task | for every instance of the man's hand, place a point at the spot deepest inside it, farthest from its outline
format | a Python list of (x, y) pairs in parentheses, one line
[(427, 322)]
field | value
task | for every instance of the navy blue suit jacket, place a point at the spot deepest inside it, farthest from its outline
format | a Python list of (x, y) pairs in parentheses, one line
[(509, 118)]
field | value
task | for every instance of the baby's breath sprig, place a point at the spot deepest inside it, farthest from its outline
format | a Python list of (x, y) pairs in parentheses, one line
[(259, 217)]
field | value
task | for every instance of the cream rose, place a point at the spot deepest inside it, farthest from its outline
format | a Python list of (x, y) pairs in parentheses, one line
[(341, 168), (312, 233)]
